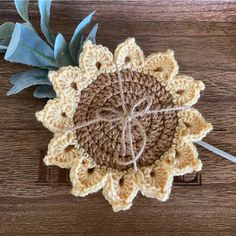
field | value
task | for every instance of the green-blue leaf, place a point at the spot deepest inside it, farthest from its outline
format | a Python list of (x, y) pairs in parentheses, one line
[(27, 47), (44, 9), (92, 34), (28, 78), (44, 91), (29, 73), (62, 52), (3, 47), (22, 8), (75, 42), (6, 30)]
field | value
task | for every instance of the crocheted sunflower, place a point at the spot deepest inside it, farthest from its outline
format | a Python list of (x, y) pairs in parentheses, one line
[(91, 152)]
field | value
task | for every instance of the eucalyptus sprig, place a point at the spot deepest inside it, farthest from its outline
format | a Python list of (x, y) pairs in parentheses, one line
[(21, 44)]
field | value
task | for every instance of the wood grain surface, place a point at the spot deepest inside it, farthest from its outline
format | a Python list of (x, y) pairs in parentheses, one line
[(36, 200)]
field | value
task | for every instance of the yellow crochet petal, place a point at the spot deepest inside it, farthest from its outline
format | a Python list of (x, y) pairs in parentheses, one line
[(193, 124), (186, 158), (120, 191), (62, 150), (57, 114), (187, 90), (155, 181), (128, 54), (86, 178), (95, 59), (68, 82), (163, 65)]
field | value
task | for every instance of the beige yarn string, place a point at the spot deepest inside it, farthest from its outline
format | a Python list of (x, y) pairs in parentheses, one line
[(128, 118)]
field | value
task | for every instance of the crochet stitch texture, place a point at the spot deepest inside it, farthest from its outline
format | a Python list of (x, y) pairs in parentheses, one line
[(90, 152)]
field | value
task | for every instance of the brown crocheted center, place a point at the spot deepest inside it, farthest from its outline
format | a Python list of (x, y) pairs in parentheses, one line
[(102, 140)]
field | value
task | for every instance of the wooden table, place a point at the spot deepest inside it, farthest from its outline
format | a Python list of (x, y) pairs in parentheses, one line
[(36, 200)]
